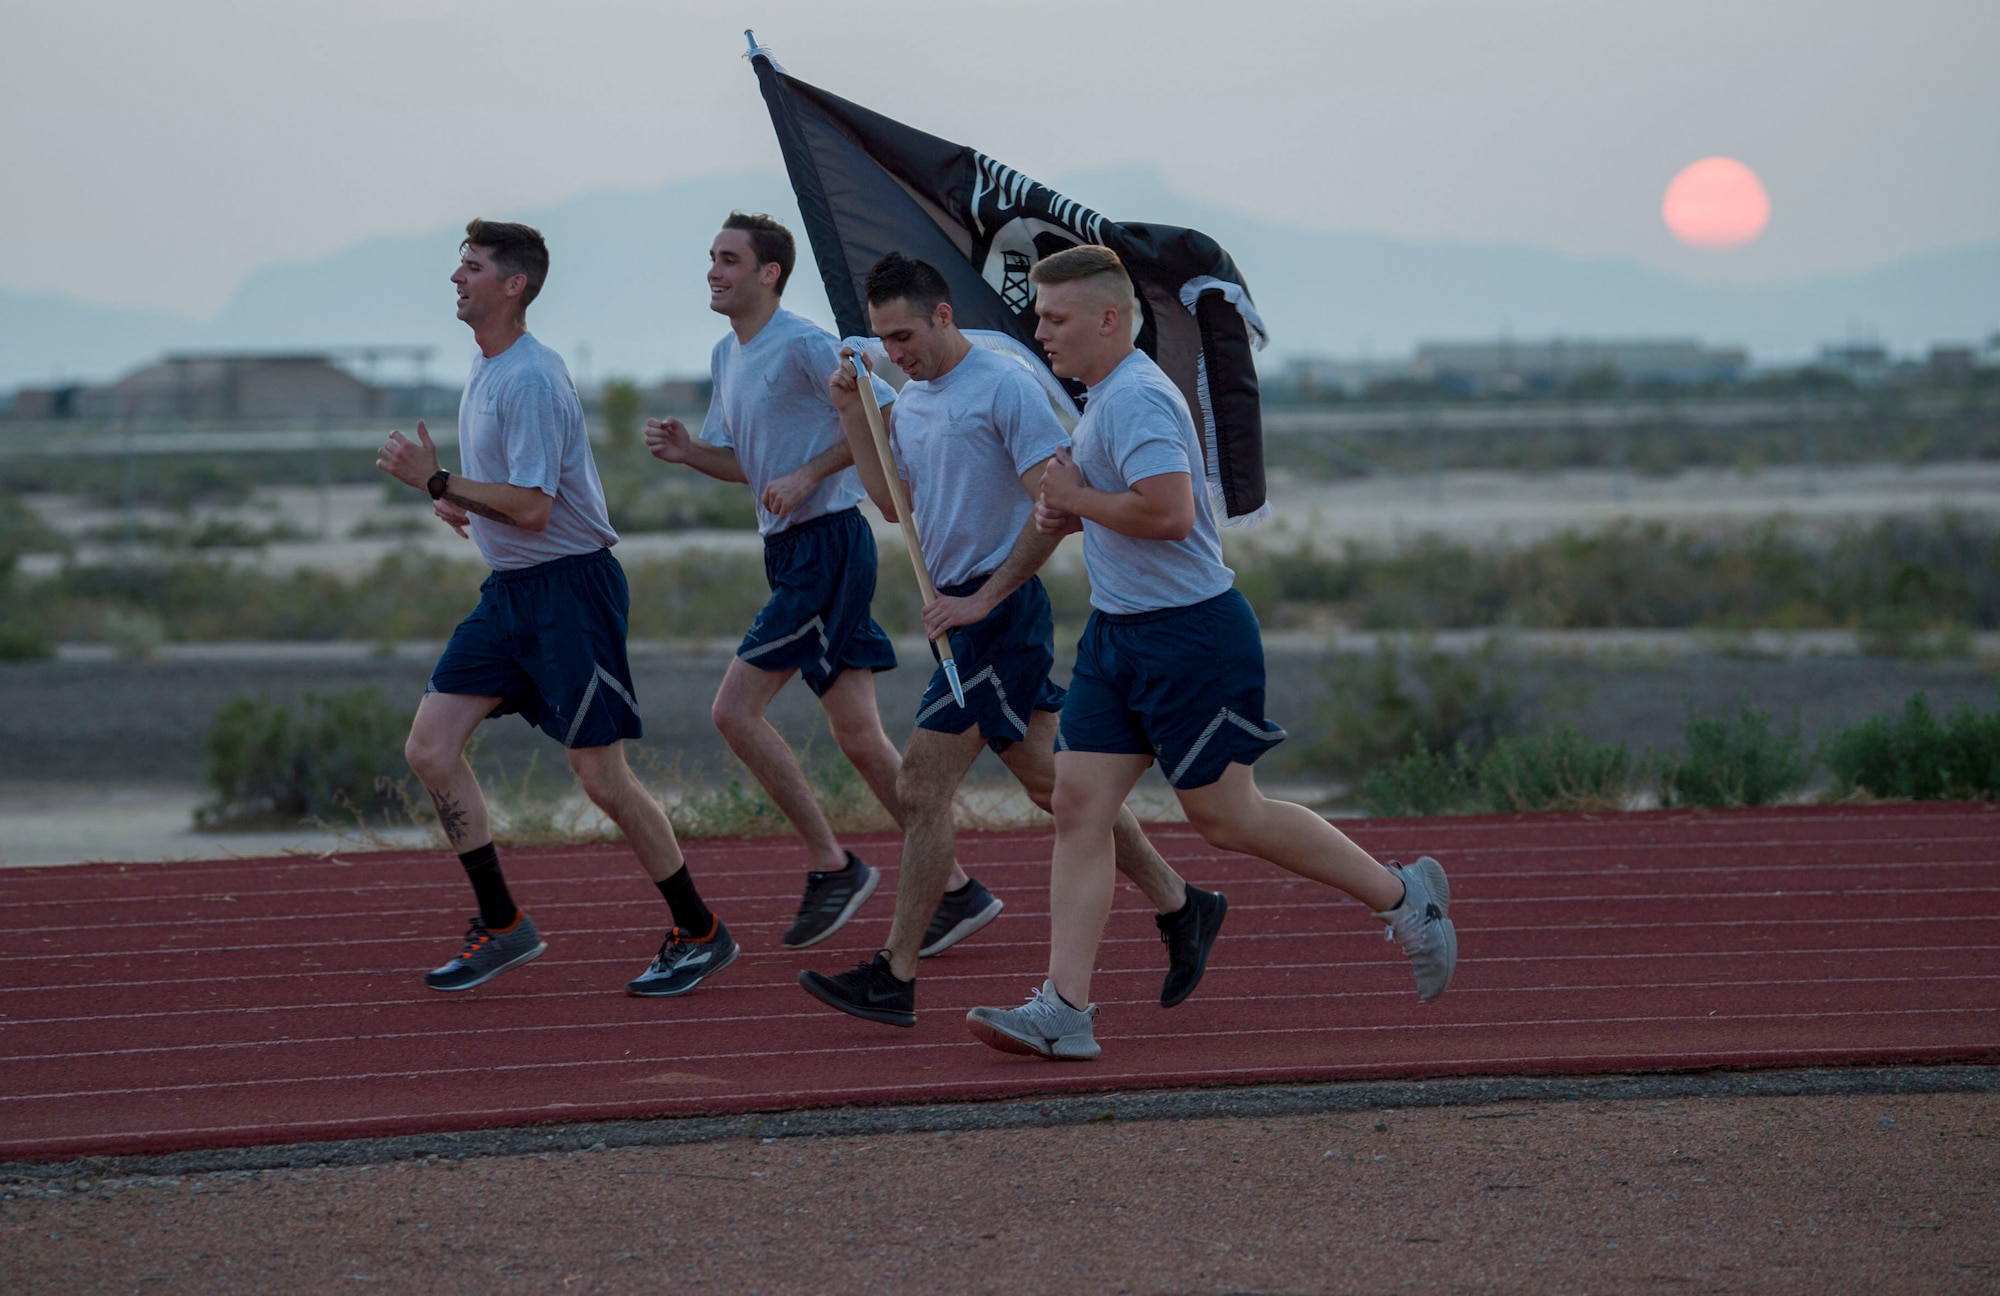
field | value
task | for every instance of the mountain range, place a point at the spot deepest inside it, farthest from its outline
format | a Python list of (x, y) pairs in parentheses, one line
[(625, 292)]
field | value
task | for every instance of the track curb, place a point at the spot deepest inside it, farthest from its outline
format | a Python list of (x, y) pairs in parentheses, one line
[(1029, 1113)]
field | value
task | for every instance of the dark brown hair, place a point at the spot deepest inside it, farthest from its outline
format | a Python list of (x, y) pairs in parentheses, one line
[(898, 277), (516, 249), (769, 241)]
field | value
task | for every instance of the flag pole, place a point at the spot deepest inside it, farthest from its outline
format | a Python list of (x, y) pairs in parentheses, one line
[(901, 499)]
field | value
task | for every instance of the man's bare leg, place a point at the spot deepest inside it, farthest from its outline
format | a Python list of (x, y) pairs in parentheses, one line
[(1091, 788), (1032, 762), (740, 704), (856, 723), (1232, 814), (435, 750), (934, 764), (611, 785)]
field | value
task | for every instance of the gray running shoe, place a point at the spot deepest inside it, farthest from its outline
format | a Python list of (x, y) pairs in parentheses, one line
[(1422, 925), (959, 916), (830, 900), (683, 964), (487, 954), (1044, 1026)]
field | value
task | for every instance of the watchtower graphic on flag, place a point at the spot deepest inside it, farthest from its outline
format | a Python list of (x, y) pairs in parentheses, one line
[(868, 186)]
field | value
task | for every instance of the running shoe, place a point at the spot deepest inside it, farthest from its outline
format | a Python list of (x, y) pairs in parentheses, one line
[(870, 991), (1189, 934), (684, 963), (958, 916), (1044, 1026), (830, 900), (487, 954), (1422, 925)]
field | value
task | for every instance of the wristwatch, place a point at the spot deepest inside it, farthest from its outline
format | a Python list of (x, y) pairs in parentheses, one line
[(439, 482)]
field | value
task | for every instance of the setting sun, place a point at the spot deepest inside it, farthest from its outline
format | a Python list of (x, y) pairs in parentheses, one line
[(1716, 204)]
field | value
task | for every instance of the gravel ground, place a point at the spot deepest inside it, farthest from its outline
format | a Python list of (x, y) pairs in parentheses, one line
[(1811, 1193)]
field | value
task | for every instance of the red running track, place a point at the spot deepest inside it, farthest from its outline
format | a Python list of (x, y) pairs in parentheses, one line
[(149, 1008)]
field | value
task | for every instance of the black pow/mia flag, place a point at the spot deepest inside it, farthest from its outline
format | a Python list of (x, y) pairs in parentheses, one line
[(868, 186)]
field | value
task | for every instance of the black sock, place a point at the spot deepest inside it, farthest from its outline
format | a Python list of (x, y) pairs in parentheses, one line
[(690, 914), (482, 869), (963, 891)]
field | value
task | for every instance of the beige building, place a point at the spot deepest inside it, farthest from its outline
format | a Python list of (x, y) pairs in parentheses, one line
[(217, 388)]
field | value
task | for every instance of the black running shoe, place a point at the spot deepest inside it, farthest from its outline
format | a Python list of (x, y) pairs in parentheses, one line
[(870, 991), (487, 954), (830, 900), (1189, 933), (958, 916), (682, 963)]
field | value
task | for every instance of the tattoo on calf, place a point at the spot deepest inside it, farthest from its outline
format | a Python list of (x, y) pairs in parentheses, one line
[(451, 816)]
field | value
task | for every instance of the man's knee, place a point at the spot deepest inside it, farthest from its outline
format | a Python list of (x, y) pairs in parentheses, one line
[(430, 759), (925, 798), (1221, 825), (602, 776)]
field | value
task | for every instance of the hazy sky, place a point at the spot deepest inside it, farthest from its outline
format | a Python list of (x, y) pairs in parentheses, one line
[(152, 154)]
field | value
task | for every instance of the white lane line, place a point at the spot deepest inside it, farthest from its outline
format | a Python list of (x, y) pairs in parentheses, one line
[(1458, 899), (1459, 995), (706, 860), (904, 1048), (931, 978), (1036, 945), (1592, 928)]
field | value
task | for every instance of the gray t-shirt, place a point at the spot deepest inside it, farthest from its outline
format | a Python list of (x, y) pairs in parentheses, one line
[(770, 405), (962, 441), (520, 423), (1136, 425)]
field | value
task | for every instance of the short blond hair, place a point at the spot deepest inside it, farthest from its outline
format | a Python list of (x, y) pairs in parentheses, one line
[(1094, 266)]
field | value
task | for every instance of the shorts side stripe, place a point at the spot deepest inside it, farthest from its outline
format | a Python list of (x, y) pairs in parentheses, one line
[(590, 695), (1273, 734), (815, 625)]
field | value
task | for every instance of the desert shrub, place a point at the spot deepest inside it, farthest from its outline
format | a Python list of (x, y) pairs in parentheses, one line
[(1737, 758), (1559, 769), (1423, 782), (1379, 709), (1913, 755), (333, 760)]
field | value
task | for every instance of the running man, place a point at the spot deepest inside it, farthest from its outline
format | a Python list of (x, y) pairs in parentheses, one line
[(972, 434), (772, 424), (547, 641), (1170, 668)]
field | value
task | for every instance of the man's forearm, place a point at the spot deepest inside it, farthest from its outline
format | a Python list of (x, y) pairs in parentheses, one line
[(715, 461), (1031, 550), (517, 506), (830, 460)]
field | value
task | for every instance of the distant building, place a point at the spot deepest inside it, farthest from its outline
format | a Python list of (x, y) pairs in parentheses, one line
[(680, 394), (1866, 363), (216, 388), (1505, 366), (1951, 362), (1310, 378)]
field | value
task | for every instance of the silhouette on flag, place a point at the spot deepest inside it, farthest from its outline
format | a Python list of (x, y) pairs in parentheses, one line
[(868, 186)]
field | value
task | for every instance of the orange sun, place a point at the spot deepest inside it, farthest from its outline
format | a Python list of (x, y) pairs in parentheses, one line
[(1716, 204)]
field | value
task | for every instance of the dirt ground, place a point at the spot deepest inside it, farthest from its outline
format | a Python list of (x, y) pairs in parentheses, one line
[(1714, 1194)]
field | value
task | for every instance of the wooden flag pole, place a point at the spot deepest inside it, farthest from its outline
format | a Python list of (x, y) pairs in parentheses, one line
[(901, 499)]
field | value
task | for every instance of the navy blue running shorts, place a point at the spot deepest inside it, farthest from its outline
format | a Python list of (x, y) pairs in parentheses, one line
[(549, 642), (1184, 685), (1003, 666), (822, 579)]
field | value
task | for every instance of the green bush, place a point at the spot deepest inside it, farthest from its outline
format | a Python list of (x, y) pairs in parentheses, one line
[(1559, 770), (1737, 759), (1915, 756), (1379, 709), (338, 759), (1422, 783)]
